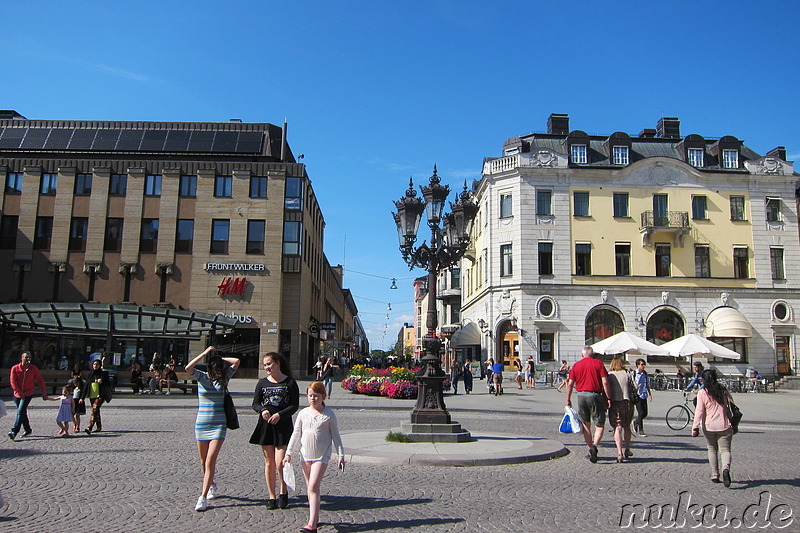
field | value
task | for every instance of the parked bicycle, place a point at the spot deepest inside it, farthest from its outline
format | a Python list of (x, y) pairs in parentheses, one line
[(679, 416)]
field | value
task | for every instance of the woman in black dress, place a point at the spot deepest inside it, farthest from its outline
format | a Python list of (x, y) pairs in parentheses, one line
[(98, 390), (276, 399)]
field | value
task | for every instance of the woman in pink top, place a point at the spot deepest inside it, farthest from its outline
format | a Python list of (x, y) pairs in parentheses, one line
[(712, 413)]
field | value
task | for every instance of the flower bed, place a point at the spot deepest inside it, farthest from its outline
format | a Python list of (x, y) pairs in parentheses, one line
[(393, 382)]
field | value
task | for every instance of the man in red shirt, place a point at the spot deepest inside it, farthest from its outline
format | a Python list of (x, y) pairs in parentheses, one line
[(23, 378), (590, 378)]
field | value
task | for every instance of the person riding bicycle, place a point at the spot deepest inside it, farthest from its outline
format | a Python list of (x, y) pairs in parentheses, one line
[(697, 382)]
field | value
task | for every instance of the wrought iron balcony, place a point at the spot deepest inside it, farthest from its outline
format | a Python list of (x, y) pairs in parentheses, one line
[(676, 222)]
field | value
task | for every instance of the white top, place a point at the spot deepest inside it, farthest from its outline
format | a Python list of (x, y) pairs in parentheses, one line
[(315, 434)]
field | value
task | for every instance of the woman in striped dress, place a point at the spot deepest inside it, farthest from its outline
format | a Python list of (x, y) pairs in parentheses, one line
[(210, 427)]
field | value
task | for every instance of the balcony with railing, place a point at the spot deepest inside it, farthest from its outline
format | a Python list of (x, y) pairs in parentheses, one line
[(674, 222)]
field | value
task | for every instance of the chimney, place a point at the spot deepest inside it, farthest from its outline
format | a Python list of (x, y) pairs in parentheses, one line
[(669, 128), (10, 114), (283, 140), (648, 133), (558, 124), (779, 152)]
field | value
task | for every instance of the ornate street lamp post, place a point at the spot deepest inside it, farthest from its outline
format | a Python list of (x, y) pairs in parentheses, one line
[(447, 247)]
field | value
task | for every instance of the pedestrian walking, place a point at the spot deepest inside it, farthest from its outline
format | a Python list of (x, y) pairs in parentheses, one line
[(620, 413), (24, 377), (210, 426), (316, 432), (467, 376), (276, 399), (65, 414), (590, 378), (563, 373), (497, 378), (78, 403), (643, 395), (455, 375), (712, 415), (98, 390), (326, 374), (530, 372)]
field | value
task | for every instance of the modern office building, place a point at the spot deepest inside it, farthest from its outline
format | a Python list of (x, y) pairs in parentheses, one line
[(582, 236), (131, 238)]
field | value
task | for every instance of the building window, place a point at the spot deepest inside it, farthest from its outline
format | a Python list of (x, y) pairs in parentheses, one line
[(83, 184), (152, 185), (455, 314), (255, 236), (737, 208), (293, 197), (773, 209), (258, 187), (621, 205), (730, 159), (220, 234), (580, 202), (506, 260), (118, 185), (621, 155), (702, 261), (663, 260), (77, 234), (583, 259), (578, 153), (184, 235), (699, 208), (506, 210), (48, 184), (741, 267), (455, 278), (223, 186), (291, 237), (8, 232), (14, 183), (148, 239), (776, 260), (664, 326), (545, 258), (113, 240), (622, 258), (546, 307), (187, 187), (43, 232), (602, 323), (544, 202), (737, 344), (695, 157)]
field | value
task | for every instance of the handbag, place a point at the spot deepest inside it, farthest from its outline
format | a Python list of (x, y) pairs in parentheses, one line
[(734, 415), (231, 417), (80, 409)]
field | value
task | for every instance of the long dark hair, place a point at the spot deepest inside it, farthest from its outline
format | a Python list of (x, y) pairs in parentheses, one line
[(216, 368), (714, 388), (283, 364)]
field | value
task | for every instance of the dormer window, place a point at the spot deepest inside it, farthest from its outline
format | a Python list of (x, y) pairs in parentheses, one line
[(730, 159), (621, 155), (694, 157), (578, 153)]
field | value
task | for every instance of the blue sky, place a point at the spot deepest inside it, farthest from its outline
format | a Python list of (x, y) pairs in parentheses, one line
[(375, 92)]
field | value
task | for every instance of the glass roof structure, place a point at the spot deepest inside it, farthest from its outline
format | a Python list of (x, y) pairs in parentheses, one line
[(111, 319)]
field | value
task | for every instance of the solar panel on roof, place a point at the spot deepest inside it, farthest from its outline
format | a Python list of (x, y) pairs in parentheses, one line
[(225, 141), (153, 140), (58, 139), (201, 141), (130, 139), (250, 142), (177, 141), (12, 137), (105, 140), (34, 139), (82, 139)]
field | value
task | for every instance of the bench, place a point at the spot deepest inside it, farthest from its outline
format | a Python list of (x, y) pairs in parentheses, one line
[(185, 383), (53, 381)]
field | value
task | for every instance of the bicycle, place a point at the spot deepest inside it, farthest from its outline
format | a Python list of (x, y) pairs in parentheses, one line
[(678, 416)]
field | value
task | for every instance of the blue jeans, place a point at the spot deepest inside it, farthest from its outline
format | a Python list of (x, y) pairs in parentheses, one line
[(328, 382), (22, 414)]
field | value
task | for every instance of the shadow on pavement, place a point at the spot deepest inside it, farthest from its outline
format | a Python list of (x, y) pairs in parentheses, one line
[(358, 503), (394, 524), (753, 483)]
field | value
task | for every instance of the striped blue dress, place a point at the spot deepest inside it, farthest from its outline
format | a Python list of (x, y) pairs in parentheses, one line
[(210, 422)]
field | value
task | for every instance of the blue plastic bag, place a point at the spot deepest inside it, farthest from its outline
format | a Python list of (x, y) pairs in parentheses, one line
[(570, 423)]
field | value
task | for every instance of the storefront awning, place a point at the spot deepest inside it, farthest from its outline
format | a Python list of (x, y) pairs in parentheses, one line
[(727, 322), (113, 319), (468, 335)]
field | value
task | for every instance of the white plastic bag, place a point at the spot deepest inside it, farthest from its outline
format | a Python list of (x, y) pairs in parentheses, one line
[(288, 475), (570, 423), (2, 409)]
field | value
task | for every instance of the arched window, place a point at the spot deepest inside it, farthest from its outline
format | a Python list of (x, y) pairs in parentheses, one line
[(601, 323), (663, 326)]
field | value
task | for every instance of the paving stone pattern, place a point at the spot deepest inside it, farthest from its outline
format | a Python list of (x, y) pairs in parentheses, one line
[(142, 474)]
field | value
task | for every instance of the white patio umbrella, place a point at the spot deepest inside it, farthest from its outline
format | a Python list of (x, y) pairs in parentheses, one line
[(625, 342), (693, 345)]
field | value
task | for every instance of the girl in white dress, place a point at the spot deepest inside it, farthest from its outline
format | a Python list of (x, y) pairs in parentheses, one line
[(315, 434)]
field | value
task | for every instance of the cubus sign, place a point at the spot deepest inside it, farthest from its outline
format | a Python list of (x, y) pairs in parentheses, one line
[(231, 285)]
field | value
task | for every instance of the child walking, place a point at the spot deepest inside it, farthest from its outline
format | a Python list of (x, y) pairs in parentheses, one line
[(78, 404), (315, 434), (64, 416)]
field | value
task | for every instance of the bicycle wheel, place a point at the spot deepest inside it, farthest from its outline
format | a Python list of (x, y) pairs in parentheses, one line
[(677, 417)]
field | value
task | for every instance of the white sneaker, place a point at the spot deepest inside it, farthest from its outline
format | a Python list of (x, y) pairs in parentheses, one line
[(201, 504), (212, 492), (167, 393), (158, 392)]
